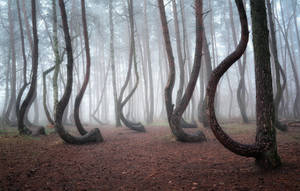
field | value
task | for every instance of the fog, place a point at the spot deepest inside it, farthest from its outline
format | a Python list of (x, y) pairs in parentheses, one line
[(147, 32)]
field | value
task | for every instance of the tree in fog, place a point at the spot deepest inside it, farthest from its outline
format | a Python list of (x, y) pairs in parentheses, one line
[(94, 135), (175, 114), (265, 148), (30, 95)]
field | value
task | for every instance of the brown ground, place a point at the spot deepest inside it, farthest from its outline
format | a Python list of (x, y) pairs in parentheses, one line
[(143, 161)]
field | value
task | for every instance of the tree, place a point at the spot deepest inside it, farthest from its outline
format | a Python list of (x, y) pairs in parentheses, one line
[(94, 135), (241, 91), (278, 69), (132, 59), (113, 69), (265, 148), (23, 130), (175, 114), (21, 91)]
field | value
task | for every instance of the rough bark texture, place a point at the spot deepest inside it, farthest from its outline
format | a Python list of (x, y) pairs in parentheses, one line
[(265, 116), (175, 115), (94, 135), (265, 148)]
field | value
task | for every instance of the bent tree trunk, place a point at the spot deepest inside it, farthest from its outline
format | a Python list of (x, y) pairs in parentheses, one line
[(80, 94), (23, 130), (94, 135), (175, 115), (241, 87), (132, 58), (265, 147), (21, 91)]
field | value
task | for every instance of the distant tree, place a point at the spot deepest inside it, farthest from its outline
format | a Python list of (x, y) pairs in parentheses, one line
[(265, 147), (10, 113), (175, 114), (278, 69), (132, 61), (22, 89), (94, 135)]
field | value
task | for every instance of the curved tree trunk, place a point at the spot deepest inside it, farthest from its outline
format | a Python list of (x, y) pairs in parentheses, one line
[(175, 115), (29, 97), (241, 87), (132, 58), (94, 135), (20, 94), (265, 148), (79, 96)]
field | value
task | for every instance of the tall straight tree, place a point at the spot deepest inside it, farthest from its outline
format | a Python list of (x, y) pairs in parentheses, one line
[(10, 109), (175, 114), (149, 63), (265, 148), (112, 62)]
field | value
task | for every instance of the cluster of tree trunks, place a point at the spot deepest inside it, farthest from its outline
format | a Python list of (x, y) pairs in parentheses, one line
[(175, 114), (94, 135)]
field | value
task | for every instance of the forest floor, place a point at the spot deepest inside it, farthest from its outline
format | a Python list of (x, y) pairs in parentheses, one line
[(143, 161)]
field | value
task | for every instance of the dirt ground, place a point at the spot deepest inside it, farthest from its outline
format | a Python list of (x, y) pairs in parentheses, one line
[(143, 161)]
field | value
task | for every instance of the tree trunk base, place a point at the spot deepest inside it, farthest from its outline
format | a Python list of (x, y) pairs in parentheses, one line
[(268, 160), (139, 127)]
